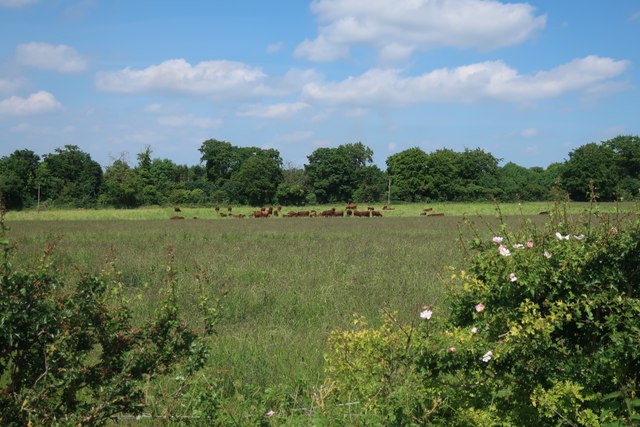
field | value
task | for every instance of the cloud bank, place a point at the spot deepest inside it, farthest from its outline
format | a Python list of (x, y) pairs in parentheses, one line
[(490, 80), (396, 29)]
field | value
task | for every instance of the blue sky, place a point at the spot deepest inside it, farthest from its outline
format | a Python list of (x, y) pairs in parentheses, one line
[(528, 82)]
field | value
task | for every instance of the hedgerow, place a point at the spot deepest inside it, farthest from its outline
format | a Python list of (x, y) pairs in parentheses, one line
[(543, 328)]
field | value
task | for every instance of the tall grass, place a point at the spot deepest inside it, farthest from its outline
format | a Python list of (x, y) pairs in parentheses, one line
[(288, 282)]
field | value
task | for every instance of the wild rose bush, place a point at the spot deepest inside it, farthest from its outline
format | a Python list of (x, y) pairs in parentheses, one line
[(544, 329)]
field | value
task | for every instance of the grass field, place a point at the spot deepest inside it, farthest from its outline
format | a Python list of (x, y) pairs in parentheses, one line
[(399, 210), (288, 282)]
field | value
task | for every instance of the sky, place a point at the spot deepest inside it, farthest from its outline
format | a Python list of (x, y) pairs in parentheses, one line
[(526, 82)]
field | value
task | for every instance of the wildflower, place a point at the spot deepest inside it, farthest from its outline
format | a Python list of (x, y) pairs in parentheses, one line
[(479, 307), (487, 356), (579, 236), (269, 414), (474, 330), (547, 254), (518, 246), (497, 240), (452, 349), (504, 251), (513, 277), (561, 237), (426, 314), (529, 244)]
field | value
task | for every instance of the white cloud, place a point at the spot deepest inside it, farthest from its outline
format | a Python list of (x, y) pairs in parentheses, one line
[(529, 132), (16, 3), (10, 85), (212, 78), (396, 29), (274, 111), (321, 50), (61, 58), (190, 121), (466, 84), (635, 16), (275, 47), (39, 102), (392, 146)]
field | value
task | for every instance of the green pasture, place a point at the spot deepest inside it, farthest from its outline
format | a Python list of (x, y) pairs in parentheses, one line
[(287, 282), (398, 210)]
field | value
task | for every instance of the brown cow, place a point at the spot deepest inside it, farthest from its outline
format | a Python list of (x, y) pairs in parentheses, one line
[(338, 213), (217, 208), (362, 213), (304, 213), (436, 214), (351, 206), (427, 209), (349, 212), (177, 209), (370, 208), (375, 213), (328, 212), (223, 215), (177, 217)]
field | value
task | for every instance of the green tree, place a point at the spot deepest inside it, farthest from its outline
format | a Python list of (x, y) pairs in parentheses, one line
[(73, 178), (122, 186), (372, 184), (479, 173), (443, 169), (258, 178), (222, 159), (519, 183), (596, 163), (333, 172), (627, 150), (409, 174), (18, 178), (294, 188)]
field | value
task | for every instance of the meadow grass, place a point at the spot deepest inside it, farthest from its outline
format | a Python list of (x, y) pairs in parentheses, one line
[(399, 210), (288, 282)]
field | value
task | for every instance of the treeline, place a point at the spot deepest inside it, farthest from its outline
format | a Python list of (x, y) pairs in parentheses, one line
[(253, 176)]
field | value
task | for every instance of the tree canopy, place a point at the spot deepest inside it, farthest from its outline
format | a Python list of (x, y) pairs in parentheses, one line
[(346, 173)]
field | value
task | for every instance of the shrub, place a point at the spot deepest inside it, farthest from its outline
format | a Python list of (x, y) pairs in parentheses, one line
[(70, 354), (544, 329)]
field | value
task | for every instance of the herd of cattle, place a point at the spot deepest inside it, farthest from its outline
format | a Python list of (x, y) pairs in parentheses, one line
[(266, 212)]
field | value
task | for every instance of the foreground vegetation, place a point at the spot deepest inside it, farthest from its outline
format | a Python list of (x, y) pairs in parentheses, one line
[(287, 285)]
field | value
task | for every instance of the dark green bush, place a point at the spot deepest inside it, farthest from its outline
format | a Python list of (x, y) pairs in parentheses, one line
[(70, 354)]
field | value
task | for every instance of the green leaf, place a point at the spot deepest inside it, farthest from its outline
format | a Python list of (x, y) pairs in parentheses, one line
[(611, 396), (633, 402)]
